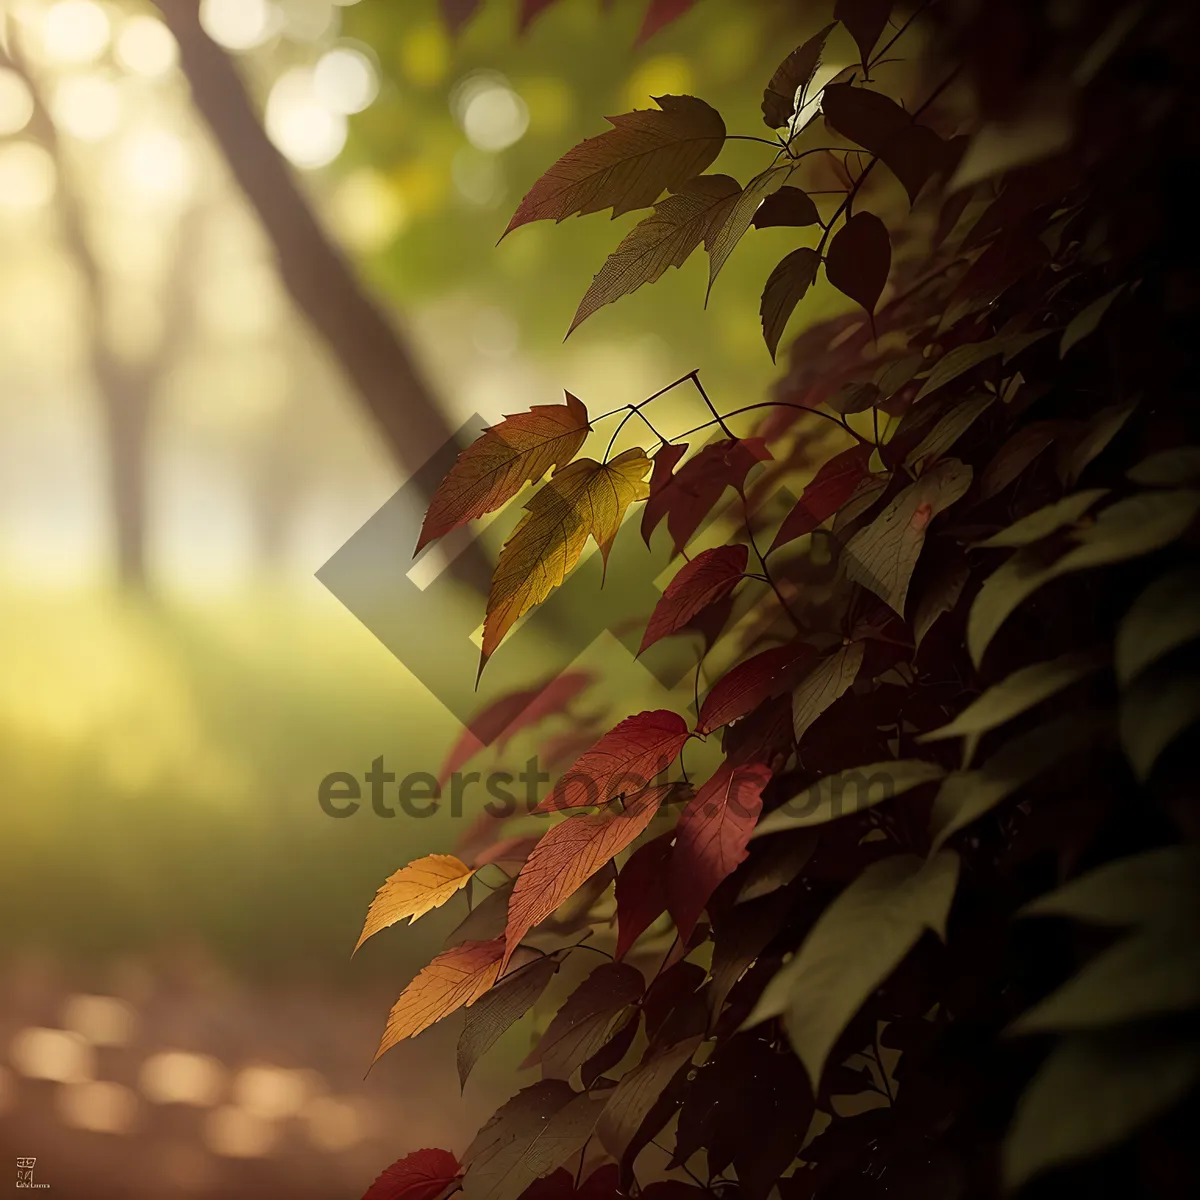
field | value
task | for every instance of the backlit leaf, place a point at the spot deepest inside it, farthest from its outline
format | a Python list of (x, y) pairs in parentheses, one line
[(848, 792), (881, 556), (864, 20), (859, 259), (791, 76), (831, 487), (1088, 321), (785, 288), (422, 1175), (582, 499), (743, 688), (958, 362), (455, 979), (493, 469), (678, 225), (662, 486), (711, 839), (1164, 617), (646, 153), (739, 217), (414, 890), (789, 206), (823, 685), (633, 1098), (709, 576), (642, 891), (1045, 521), (571, 853), (854, 946), (623, 762)]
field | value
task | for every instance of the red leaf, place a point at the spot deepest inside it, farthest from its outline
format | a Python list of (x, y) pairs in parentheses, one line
[(830, 488), (623, 762), (423, 1175), (502, 720), (859, 259), (747, 685), (786, 287), (661, 484), (711, 575), (711, 839), (864, 21), (570, 854), (660, 14), (646, 153), (702, 481), (642, 891), (495, 467)]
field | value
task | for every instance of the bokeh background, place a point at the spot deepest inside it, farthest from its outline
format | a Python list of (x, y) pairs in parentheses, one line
[(180, 452)]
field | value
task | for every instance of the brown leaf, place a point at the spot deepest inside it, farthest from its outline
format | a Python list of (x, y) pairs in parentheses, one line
[(859, 259), (786, 287), (646, 153), (630, 1103), (864, 20), (583, 498), (641, 891), (725, 237), (568, 855), (825, 684), (493, 469), (678, 225), (454, 979), (412, 891), (793, 74), (788, 206), (711, 575), (743, 688)]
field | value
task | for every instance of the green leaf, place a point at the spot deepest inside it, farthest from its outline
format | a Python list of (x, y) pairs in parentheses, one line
[(1165, 616), (785, 288), (1091, 440), (1127, 529), (966, 796), (1153, 714), (950, 428), (1093, 1092), (958, 362), (729, 232), (1153, 971), (1019, 692), (822, 686), (666, 238), (1168, 468), (1157, 885), (848, 792), (940, 597), (854, 946), (1045, 521), (881, 556), (1088, 321)]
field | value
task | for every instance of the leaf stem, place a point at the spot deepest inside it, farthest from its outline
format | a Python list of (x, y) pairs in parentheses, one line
[(765, 569)]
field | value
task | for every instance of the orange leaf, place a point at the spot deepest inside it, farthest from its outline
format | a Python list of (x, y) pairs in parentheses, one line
[(413, 890), (570, 854), (454, 980), (584, 498), (493, 469)]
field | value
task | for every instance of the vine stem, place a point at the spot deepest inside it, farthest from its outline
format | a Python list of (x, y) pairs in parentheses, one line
[(737, 412), (765, 569), (631, 410)]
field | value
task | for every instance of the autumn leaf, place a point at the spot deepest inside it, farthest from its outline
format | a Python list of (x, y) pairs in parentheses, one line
[(568, 855), (709, 576), (739, 217), (583, 498), (743, 688), (793, 74), (830, 488), (414, 890), (786, 287), (711, 839), (659, 15), (859, 259), (678, 225), (662, 486), (641, 891), (623, 762), (494, 468), (422, 1175), (455, 979), (629, 1104), (646, 153)]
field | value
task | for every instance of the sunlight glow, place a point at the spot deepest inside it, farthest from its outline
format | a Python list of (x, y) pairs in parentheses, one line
[(27, 176), (75, 31), (16, 104), (368, 212), (87, 107), (176, 1077), (271, 1092), (301, 126), (345, 81), (156, 165), (54, 1054), (238, 24), (235, 1133), (102, 1020), (494, 117), (100, 1106), (145, 46), (334, 1124)]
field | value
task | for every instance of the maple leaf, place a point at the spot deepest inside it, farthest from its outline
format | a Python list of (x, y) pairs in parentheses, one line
[(494, 468), (570, 854), (711, 575), (711, 839), (678, 225), (646, 153), (422, 1175), (414, 890), (641, 891), (742, 689), (622, 762), (830, 488), (454, 980), (583, 498)]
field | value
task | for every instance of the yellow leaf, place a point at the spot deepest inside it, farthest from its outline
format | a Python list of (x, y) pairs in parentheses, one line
[(412, 891), (584, 498)]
